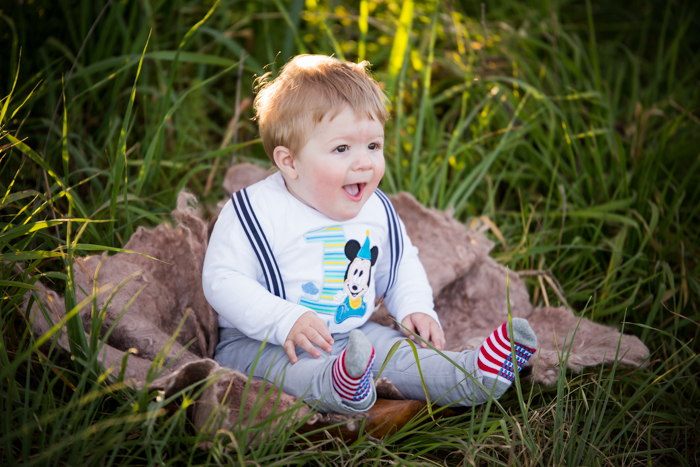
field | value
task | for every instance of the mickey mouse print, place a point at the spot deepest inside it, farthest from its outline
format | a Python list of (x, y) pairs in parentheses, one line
[(347, 275), (357, 279)]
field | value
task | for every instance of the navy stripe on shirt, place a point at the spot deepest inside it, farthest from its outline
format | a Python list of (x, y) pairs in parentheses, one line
[(395, 238), (258, 241)]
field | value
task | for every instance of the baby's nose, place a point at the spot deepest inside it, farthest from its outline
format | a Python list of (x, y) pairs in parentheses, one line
[(364, 161)]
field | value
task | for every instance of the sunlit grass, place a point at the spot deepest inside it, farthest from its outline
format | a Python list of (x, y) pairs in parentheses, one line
[(572, 128)]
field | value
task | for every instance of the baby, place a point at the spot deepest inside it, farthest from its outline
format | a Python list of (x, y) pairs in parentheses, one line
[(300, 259)]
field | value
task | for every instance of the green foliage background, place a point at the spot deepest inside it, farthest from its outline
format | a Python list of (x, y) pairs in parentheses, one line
[(573, 126)]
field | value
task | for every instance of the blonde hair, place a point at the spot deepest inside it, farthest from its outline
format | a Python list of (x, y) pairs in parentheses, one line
[(307, 89)]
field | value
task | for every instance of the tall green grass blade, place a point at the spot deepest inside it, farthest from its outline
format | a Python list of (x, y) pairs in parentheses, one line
[(16, 52), (395, 179), (120, 155), (25, 229), (391, 353), (593, 46), (152, 147), (29, 255), (363, 26), (25, 149), (8, 98), (197, 25), (398, 49), (234, 47), (22, 285), (294, 13), (64, 141), (467, 187), (292, 27), (425, 98)]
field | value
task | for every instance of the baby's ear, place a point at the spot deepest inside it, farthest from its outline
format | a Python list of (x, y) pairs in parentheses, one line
[(285, 162), (351, 249), (374, 251)]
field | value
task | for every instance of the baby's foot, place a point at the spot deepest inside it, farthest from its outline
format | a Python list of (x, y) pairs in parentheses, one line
[(496, 359), (352, 371)]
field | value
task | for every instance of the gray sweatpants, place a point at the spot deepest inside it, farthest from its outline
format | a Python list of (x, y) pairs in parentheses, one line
[(310, 378)]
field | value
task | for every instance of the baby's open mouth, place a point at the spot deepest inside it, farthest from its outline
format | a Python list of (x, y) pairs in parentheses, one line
[(354, 189)]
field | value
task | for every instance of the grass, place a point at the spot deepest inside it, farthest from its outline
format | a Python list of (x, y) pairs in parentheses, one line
[(571, 126)]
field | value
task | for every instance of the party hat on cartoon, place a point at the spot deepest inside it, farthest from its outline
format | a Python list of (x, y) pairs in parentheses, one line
[(364, 252)]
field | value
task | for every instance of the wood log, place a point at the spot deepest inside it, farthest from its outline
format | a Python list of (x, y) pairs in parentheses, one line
[(385, 417)]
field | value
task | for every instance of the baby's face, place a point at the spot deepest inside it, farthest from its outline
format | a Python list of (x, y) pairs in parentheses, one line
[(340, 166)]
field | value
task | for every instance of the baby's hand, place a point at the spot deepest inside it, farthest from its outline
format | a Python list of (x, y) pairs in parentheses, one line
[(309, 329), (426, 327)]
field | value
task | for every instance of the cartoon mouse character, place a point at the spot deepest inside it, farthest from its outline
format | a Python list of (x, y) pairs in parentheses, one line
[(357, 279)]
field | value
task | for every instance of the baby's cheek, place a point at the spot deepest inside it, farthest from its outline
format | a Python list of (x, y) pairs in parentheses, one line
[(323, 186), (330, 193), (379, 168), (381, 164), (328, 179)]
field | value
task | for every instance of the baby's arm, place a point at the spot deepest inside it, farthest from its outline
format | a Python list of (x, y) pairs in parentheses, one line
[(230, 285)]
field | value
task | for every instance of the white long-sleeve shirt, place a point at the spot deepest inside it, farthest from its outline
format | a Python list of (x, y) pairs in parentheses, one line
[(313, 270)]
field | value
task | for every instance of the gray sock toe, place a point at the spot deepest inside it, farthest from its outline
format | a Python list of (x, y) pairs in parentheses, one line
[(357, 353), (523, 333)]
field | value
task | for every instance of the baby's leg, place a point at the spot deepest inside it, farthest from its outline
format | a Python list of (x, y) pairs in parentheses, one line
[(446, 384), (312, 379)]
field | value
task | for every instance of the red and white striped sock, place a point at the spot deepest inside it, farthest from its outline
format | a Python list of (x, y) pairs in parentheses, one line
[(495, 355), (352, 389)]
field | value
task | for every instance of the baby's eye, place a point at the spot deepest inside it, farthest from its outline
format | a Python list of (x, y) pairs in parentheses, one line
[(373, 146), (342, 148)]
